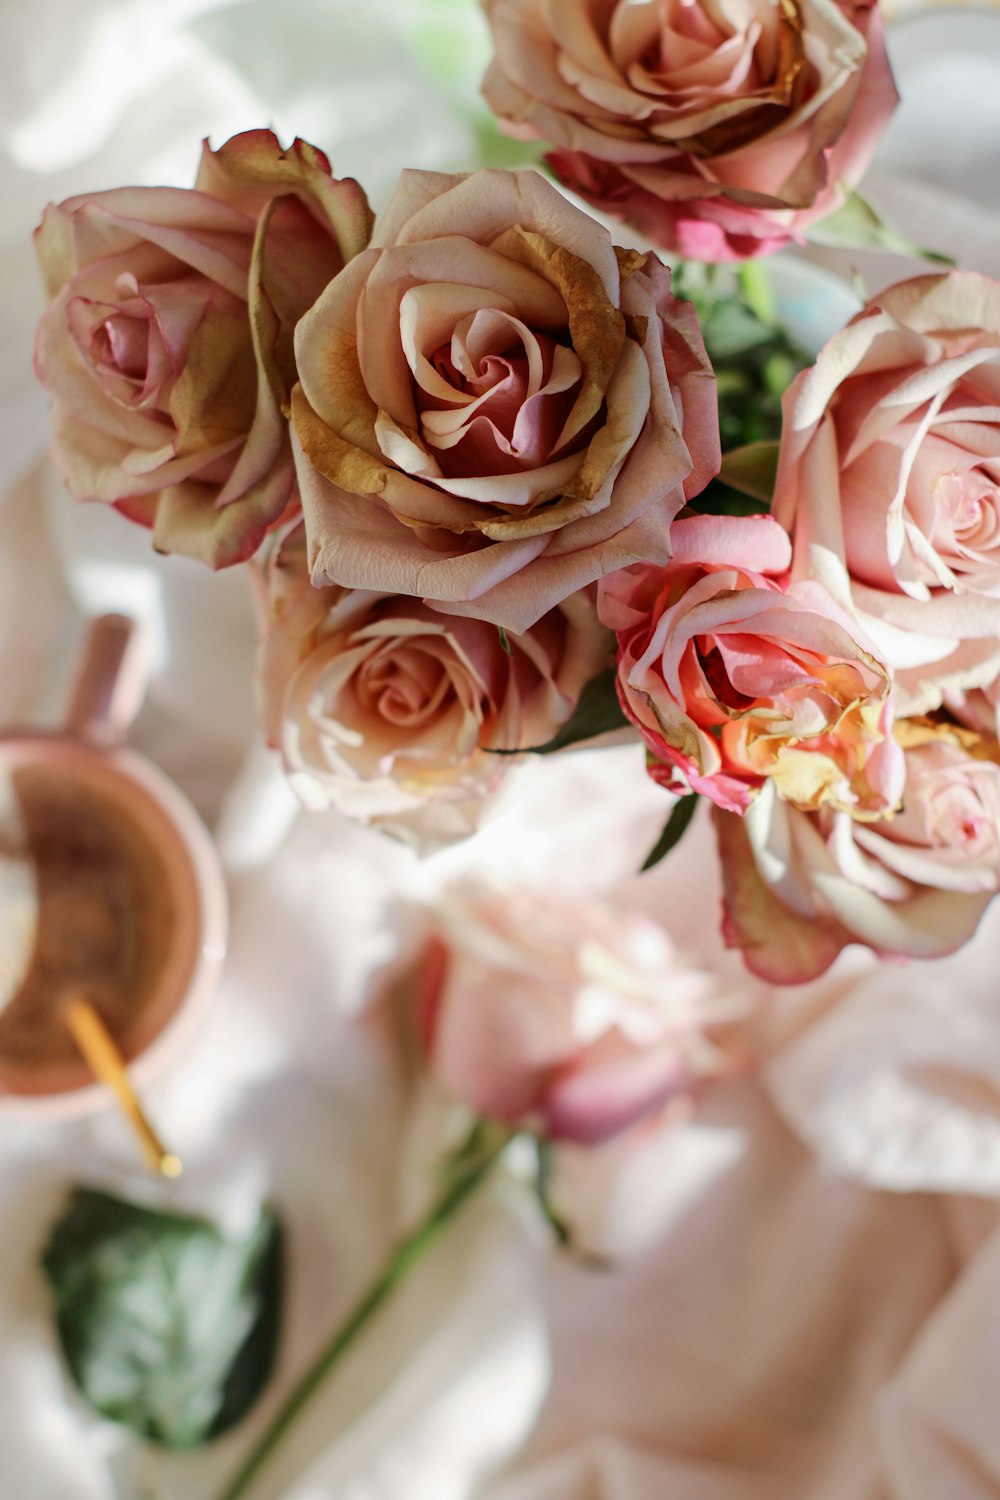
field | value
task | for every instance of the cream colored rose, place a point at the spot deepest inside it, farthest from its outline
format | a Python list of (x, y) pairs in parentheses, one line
[(167, 346), (800, 886), (720, 129), (889, 479), (390, 711), (496, 407)]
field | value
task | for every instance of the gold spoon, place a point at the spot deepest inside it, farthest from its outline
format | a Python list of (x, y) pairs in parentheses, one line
[(106, 1062)]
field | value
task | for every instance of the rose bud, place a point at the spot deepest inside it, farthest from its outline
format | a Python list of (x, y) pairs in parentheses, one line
[(889, 479), (720, 132), (565, 1016), (167, 345), (800, 886), (733, 678), (497, 406), (391, 711)]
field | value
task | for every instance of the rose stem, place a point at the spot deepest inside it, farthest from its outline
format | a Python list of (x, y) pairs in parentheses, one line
[(471, 1165), (758, 293), (101, 1054)]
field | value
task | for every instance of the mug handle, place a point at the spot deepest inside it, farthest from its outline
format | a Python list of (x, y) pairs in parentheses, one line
[(110, 681)]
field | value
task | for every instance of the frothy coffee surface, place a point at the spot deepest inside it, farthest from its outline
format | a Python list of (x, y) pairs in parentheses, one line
[(107, 920)]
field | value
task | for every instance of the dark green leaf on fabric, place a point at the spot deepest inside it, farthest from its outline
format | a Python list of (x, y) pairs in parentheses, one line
[(167, 1325)]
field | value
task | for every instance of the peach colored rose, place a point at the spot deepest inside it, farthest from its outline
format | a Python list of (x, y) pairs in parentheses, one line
[(167, 345), (564, 1015), (732, 677), (389, 710), (721, 131), (800, 886), (496, 407), (889, 479)]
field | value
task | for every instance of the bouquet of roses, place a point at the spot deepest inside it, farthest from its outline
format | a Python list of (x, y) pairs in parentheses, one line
[(469, 452)]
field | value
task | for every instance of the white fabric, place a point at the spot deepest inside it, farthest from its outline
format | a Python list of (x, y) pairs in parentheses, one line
[(779, 1325)]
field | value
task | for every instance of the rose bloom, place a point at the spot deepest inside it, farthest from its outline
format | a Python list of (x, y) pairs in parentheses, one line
[(721, 131), (889, 478), (389, 710), (799, 887), (496, 406), (562, 1015), (167, 345), (732, 678)]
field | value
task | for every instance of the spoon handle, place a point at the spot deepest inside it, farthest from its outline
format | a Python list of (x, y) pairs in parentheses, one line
[(107, 1064)]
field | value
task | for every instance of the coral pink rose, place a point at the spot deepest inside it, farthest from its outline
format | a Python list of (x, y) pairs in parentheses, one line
[(889, 478), (496, 407), (167, 345), (733, 678), (564, 1016), (389, 710), (720, 131), (800, 886)]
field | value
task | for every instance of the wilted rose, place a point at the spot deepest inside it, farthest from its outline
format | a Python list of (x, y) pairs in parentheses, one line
[(800, 886), (167, 345), (721, 131), (393, 712), (734, 677), (889, 478), (496, 407), (563, 1014)]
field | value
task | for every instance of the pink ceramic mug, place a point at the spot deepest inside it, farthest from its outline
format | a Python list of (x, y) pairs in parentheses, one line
[(113, 889)]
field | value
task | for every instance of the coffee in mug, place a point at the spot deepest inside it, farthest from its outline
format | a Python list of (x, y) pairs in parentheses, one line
[(109, 887)]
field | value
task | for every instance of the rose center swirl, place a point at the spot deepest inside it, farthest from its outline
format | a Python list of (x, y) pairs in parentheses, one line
[(494, 396), (405, 686)]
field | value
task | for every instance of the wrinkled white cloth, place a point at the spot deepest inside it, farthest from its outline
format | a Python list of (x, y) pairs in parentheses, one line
[(803, 1295)]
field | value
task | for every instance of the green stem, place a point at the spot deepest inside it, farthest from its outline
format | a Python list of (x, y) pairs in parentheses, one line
[(472, 1164), (758, 293)]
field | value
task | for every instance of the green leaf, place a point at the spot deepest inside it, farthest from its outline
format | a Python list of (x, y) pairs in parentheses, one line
[(504, 640), (597, 712), (562, 1231), (681, 814), (752, 469), (544, 1161), (168, 1326), (856, 225)]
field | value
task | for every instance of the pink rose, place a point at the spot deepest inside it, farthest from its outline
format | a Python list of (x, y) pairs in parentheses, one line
[(800, 886), (497, 406), (719, 131), (563, 1015), (889, 478), (167, 346), (389, 710), (733, 678)]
